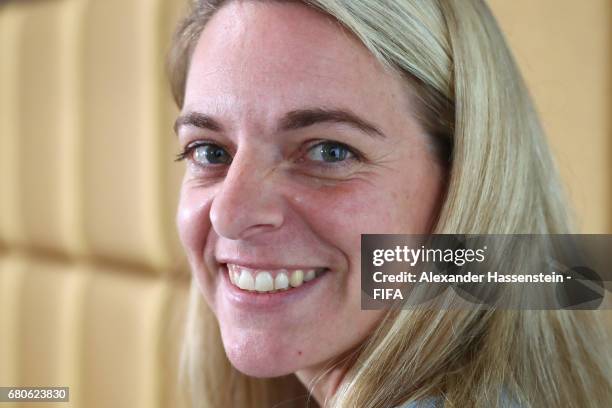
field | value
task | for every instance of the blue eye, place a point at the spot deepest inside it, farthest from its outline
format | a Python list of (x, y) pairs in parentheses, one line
[(330, 152), (206, 154)]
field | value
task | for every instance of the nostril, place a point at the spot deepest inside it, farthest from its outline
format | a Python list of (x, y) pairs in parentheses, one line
[(241, 210), (256, 230)]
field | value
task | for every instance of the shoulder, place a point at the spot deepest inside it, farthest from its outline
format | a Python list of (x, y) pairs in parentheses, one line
[(426, 403), (438, 402)]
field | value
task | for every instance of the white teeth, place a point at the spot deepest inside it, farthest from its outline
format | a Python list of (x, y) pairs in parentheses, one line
[(264, 282), (310, 275), (297, 278), (281, 281), (246, 281), (233, 274)]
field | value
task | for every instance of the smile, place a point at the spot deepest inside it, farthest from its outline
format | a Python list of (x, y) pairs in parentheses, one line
[(270, 281)]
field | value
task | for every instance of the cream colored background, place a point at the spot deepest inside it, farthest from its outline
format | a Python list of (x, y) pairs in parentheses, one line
[(564, 49), (92, 280)]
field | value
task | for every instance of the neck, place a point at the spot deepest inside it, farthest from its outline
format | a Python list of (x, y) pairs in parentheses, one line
[(322, 381)]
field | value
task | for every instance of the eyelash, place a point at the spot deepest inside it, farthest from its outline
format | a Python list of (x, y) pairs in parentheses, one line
[(356, 155), (188, 150)]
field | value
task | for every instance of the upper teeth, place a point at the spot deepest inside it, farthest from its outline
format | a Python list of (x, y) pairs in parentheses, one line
[(268, 281)]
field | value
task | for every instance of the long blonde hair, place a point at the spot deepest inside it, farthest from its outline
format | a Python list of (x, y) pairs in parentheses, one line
[(501, 179)]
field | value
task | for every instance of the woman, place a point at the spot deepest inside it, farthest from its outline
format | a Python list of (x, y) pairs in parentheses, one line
[(306, 124)]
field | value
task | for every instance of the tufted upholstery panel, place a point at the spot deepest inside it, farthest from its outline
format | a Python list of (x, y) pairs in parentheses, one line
[(92, 279)]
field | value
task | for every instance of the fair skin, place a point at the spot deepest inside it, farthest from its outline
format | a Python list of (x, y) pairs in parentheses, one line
[(296, 141)]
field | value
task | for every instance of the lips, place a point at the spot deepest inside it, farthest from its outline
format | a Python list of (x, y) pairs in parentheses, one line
[(270, 280)]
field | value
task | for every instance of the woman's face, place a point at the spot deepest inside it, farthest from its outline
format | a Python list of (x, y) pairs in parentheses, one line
[(297, 141)]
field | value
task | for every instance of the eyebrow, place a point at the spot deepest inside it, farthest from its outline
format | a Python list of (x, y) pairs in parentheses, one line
[(302, 118), (198, 120), (293, 120)]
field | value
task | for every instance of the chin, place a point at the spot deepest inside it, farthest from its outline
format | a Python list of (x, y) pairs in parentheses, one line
[(258, 355)]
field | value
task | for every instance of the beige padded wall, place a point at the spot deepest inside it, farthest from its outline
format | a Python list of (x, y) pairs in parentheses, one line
[(124, 141), (43, 143), (92, 293), (12, 270), (92, 286), (564, 49), (11, 22)]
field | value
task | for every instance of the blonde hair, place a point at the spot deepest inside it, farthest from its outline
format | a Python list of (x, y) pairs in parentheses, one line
[(501, 179)]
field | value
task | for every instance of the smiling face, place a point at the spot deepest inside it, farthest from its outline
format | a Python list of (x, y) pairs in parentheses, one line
[(297, 141)]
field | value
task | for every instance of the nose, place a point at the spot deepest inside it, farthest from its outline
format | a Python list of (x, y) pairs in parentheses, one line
[(248, 202)]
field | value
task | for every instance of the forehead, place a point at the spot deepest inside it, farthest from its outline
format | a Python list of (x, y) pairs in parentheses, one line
[(264, 57)]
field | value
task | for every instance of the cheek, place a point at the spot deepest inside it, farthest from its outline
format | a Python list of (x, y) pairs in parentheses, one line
[(193, 221), (338, 213), (343, 212)]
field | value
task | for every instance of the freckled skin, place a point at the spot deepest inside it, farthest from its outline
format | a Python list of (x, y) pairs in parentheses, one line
[(254, 62)]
